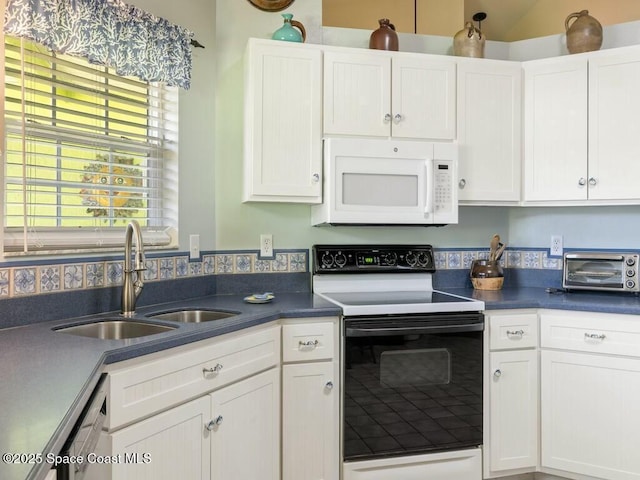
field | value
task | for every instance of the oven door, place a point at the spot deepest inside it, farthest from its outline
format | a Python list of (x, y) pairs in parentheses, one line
[(412, 384)]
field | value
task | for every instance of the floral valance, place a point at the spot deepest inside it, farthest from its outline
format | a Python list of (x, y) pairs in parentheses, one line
[(106, 32)]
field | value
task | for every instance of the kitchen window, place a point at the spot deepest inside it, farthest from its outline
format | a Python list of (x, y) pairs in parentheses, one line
[(85, 151)]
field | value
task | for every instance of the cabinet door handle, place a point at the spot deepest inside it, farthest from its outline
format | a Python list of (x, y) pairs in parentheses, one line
[(462, 183), (397, 118), (214, 423), (309, 343), (594, 336), (592, 181), (582, 182), (515, 333), (387, 118), (315, 177), (215, 369), (329, 386), (497, 373)]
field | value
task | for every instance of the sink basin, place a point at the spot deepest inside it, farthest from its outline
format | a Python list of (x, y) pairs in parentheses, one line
[(193, 316), (116, 329)]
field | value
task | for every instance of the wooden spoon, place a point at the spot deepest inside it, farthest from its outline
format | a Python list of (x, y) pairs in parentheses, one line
[(500, 251), (495, 242)]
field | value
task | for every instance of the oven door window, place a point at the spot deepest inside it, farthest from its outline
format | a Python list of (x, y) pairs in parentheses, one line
[(408, 393)]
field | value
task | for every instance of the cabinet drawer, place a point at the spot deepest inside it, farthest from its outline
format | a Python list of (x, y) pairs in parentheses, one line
[(308, 341), (513, 330), (591, 332), (145, 388)]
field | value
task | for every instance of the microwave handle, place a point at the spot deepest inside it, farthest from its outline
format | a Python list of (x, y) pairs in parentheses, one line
[(428, 191)]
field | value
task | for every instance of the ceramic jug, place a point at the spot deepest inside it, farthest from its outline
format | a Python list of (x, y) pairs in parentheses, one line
[(289, 30), (584, 34), (469, 42), (486, 275), (385, 37)]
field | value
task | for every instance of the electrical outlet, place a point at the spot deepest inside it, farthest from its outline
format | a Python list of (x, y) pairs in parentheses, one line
[(194, 247), (266, 245), (556, 246)]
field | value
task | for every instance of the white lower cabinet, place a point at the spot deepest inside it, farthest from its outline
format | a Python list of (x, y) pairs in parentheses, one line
[(511, 389), (590, 391), (173, 444), (245, 429), (310, 401)]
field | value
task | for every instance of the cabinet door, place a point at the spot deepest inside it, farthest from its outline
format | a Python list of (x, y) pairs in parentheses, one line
[(310, 422), (489, 119), (555, 129), (170, 445), (591, 414), (614, 130), (245, 433), (513, 411), (283, 123), (357, 93), (423, 97)]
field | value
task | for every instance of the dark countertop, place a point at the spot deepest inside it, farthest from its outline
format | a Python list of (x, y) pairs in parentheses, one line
[(46, 377)]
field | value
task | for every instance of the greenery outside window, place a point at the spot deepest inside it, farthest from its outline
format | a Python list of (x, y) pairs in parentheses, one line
[(85, 151)]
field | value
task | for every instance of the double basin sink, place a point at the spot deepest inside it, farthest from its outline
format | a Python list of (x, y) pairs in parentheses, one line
[(122, 329)]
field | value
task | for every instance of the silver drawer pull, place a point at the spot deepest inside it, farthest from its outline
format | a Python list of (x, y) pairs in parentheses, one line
[(515, 333), (214, 423), (309, 343), (329, 386), (595, 336), (215, 369), (497, 373)]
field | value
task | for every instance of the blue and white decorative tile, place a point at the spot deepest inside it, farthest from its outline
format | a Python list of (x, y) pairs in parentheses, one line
[(73, 277), (195, 269), (468, 258), (454, 260), (483, 255), (4, 282), (151, 272), (208, 264), (95, 275), (243, 263), (441, 260), (167, 268), (514, 259), (182, 266), (531, 259), (262, 266), (298, 262), (24, 281), (115, 273), (224, 263), (551, 263), (281, 262), (50, 278)]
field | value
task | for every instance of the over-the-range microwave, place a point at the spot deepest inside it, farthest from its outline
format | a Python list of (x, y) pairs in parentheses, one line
[(388, 182)]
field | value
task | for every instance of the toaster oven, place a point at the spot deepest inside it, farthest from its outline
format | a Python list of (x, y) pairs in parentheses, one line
[(601, 271)]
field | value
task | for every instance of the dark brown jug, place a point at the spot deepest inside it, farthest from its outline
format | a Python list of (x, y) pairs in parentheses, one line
[(385, 37)]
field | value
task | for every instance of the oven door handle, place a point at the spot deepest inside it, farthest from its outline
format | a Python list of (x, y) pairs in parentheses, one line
[(400, 330)]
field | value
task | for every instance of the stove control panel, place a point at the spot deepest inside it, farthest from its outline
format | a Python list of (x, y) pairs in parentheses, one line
[(372, 258)]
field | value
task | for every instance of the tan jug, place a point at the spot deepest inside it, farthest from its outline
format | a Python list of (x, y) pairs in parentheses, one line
[(584, 34), (469, 42)]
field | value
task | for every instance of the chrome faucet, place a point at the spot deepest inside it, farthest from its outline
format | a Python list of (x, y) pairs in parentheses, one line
[(131, 289)]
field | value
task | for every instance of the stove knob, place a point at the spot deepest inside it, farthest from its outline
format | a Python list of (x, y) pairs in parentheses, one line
[(391, 258), (630, 284), (411, 259), (631, 261), (631, 272), (340, 259), (327, 260)]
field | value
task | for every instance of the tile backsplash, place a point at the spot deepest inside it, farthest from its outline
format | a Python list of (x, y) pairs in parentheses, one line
[(31, 278)]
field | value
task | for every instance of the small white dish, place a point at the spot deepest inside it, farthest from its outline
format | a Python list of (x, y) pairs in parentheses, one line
[(260, 297)]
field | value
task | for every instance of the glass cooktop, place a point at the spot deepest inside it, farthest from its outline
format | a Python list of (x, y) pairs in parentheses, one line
[(394, 298)]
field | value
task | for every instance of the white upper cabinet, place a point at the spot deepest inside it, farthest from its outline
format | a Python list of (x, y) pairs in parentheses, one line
[(489, 131), (373, 93), (581, 134), (283, 122)]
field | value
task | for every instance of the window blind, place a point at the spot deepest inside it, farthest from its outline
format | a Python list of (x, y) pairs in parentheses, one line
[(85, 152)]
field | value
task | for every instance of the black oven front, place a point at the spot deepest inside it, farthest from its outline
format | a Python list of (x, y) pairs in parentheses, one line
[(412, 384)]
